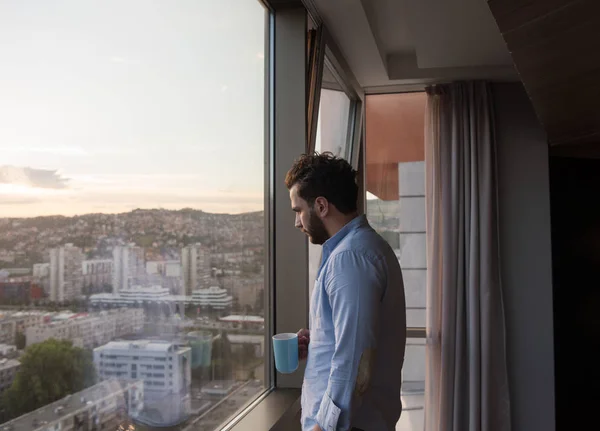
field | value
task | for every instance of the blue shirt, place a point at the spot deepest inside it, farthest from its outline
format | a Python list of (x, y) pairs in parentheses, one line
[(357, 334)]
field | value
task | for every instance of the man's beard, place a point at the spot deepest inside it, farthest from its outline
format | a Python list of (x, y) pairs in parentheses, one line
[(316, 230)]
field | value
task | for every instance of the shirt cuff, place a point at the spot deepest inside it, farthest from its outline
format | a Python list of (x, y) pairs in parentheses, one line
[(328, 414)]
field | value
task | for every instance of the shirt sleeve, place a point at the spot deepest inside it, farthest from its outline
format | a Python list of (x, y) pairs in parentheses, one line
[(355, 288)]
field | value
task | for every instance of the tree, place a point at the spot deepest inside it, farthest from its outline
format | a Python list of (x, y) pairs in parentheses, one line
[(20, 341), (49, 371)]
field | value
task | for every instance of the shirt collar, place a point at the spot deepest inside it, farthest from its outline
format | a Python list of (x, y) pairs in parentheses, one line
[(353, 224)]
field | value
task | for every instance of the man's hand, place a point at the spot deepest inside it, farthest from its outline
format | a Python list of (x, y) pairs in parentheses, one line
[(303, 342), (317, 428)]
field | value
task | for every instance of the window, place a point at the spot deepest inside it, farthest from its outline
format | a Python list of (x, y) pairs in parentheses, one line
[(334, 118), (336, 121), (132, 182), (395, 207)]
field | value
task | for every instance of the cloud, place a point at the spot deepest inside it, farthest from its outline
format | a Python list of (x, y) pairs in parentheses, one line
[(31, 177)]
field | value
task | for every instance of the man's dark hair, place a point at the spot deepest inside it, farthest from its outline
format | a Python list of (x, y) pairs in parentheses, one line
[(324, 175)]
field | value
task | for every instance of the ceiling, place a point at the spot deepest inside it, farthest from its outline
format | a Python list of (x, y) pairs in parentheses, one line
[(391, 42), (555, 45)]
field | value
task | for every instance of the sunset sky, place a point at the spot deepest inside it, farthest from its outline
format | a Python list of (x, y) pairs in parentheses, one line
[(107, 106)]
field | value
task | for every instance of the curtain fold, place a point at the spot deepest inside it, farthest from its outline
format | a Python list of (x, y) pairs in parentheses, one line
[(466, 380)]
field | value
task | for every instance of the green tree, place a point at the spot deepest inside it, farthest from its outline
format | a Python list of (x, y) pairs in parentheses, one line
[(20, 340), (49, 371)]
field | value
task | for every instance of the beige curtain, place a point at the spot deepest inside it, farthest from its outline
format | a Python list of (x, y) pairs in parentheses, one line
[(466, 380)]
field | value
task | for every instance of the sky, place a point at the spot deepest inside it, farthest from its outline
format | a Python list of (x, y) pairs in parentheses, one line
[(112, 105)]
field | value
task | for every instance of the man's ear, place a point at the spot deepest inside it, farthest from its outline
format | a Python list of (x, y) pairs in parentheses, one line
[(321, 207)]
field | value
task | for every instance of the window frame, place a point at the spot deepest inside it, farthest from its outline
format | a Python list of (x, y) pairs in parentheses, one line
[(286, 302), (411, 331), (331, 57), (287, 135)]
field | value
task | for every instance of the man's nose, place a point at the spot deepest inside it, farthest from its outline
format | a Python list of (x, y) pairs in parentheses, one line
[(298, 223)]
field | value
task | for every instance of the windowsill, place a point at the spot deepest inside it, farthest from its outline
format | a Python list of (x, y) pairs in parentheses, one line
[(278, 411)]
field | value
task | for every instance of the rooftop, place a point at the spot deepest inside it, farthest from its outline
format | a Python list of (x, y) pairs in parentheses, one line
[(144, 289), (241, 318), (147, 345), (8, 363), (66, 406)]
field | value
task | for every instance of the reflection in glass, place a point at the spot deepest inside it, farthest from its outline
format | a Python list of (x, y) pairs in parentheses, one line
[(395, 206), (333, 136), (131, 224), (413, 387), (334, 117)]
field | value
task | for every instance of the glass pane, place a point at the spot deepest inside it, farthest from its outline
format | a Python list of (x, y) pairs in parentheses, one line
[(413, 387), (395, 183), (334, 116), (132, 214), (332, 136)]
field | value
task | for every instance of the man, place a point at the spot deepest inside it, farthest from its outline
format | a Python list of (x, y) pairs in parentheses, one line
[(355, 344)]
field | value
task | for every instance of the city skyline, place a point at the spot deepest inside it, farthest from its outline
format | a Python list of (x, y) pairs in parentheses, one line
[(108, 121)]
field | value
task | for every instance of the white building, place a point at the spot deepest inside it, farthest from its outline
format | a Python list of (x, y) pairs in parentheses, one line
[(167, 268), (239, 340), (128, 266), (41, 276), (7, 349), (165, 369), (88, 330), (195, 263), (213, 297), (65, 273), (100, 407), (41, 270), (140, 294), (8, 370), (239, 320), (11, 323), (136, 296), (166, 273), (97, 273)]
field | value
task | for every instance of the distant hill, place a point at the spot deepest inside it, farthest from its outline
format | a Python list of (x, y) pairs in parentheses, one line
[(164, 231)]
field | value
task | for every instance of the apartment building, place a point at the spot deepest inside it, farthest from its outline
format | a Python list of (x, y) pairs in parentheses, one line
[(89, 330), (195, 262), (136, 296), (103, 406), (168, 268), (213, 297), (41, 277), (97, 273), (165, 369), (15, 290), (7, 349), (8, 371), (128, 266), (41, 270), (11, 323), (66, 279)]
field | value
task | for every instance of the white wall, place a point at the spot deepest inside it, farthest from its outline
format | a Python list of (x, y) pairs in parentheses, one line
[(526, 261)]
